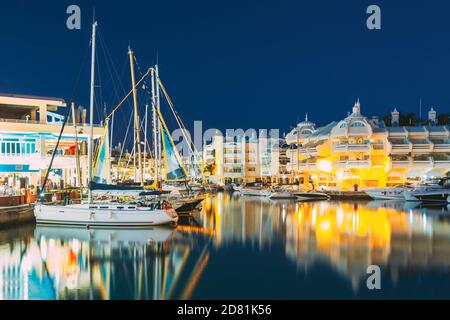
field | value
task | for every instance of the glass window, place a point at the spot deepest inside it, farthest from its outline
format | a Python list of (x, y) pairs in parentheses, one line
[(358, 125)]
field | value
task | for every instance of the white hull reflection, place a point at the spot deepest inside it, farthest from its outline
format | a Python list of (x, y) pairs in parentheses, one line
[(115, 237)]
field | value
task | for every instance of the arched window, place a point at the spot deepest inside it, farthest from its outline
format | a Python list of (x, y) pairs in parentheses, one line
[(358, 124), (343, 125), (306, 132)]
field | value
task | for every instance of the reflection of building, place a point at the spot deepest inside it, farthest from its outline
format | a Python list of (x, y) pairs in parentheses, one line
[(29, 132), (248, 159), (362, 151), (352, 237), (347, 236)]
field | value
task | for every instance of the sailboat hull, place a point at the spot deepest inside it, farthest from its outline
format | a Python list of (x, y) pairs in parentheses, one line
[(103, 215)]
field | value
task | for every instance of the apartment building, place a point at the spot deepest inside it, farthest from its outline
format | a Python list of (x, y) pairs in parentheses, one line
[(242, 159)]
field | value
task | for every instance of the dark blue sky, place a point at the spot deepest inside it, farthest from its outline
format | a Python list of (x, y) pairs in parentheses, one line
[(240, 64)]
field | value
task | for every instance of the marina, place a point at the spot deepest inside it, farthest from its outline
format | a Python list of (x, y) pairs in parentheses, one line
[(173, 152), (277, 249)]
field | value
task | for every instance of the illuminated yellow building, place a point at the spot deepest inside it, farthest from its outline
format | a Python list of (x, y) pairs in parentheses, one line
[(364, 153)]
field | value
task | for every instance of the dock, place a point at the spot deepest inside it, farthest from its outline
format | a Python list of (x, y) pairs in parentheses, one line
[(16, 215)]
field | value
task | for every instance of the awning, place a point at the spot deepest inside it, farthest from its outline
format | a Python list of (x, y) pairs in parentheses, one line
[(416, 172), (11, 168), (437, 172)]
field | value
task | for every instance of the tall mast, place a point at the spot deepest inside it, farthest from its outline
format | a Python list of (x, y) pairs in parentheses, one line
[(91, 111), (158, 121), (136, 118), (111, 145), (145, 137), (155, 127)]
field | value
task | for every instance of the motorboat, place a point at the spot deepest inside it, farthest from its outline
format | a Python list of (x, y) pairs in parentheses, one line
[(253, 189), (106, 214), (387, 193), (310, 196), (282, 195), (438, 195), (255, 192), (410, 195), (188, 205)]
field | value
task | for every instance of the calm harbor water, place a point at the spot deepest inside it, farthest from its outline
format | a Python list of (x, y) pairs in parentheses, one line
[(239, 247)]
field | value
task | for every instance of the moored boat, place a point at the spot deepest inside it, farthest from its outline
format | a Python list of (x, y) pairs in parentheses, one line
[(257, 192), (282, 195), (440, 196), (106, 215), (386, 193), (310, 196)]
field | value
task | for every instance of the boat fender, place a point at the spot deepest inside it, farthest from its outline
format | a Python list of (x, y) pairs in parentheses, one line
[(88, 226)]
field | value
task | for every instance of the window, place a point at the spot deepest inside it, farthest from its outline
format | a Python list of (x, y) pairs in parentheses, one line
[(16, 147), (358, 124), (343, 125)]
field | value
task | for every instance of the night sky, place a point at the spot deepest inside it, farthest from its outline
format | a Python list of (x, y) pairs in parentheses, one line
[(237, 64)]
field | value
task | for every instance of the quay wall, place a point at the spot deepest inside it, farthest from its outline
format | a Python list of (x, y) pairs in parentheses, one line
[(15, 215)]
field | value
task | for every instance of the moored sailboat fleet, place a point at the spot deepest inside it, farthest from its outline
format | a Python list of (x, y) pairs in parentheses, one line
[(145, 205)]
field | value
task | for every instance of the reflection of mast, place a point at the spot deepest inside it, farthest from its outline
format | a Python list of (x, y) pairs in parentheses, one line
[(197, 272)]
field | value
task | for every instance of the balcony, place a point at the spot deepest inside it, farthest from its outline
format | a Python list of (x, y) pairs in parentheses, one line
[(441, 145), (421, 146), (441, 161), (398, 146), (348, 147), (358, 164), (422, 162), (351, 164), (401, 162), (37, 162), (14, 125)]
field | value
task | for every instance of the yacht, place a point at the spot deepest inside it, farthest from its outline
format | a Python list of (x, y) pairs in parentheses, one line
[(255, 192), (310, 196), (283, 195), (387, 193), (441, 196), (410, 195), (253, 189)]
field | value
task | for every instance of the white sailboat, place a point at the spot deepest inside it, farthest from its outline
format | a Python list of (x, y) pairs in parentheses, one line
[(104, 214)]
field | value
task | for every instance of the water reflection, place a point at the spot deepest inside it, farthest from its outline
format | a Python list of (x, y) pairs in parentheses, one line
[(217, 253)]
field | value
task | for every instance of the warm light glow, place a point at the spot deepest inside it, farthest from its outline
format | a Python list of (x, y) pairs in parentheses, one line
[(324, 165)]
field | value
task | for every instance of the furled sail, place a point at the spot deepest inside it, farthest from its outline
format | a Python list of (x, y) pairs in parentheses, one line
[(173, 165), (101, 161)]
